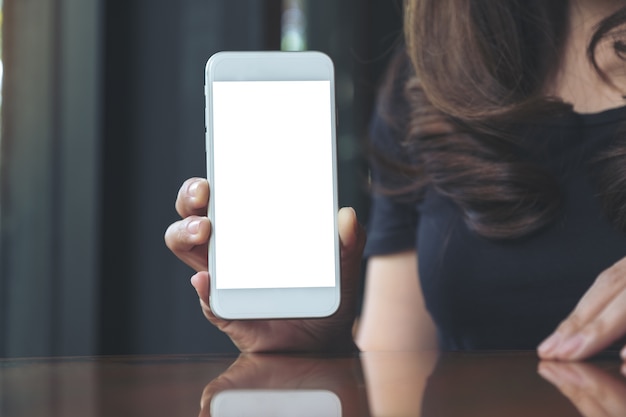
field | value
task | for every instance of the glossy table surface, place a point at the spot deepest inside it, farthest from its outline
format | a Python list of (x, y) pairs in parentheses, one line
[(370, 384)]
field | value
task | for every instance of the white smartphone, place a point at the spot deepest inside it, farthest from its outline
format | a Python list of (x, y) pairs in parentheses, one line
[(276, 403), (271, 165)]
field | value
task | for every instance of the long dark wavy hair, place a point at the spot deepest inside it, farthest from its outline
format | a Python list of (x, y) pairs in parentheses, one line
[(472, 69)]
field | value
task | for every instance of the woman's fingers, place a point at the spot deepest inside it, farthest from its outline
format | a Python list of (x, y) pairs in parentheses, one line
[(352, 237), (598, 320), (193, 198), (188, 239), (200, 282)]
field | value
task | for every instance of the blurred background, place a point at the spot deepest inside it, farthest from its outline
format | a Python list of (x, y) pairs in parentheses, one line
[(102, 119)]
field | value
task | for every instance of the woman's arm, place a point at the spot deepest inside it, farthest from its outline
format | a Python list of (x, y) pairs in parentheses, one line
[(394, 317)]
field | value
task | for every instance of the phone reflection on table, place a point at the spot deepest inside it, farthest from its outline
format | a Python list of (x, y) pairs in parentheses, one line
[(276, 403)]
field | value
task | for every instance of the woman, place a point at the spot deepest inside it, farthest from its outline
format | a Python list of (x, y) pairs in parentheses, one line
[(499, 160)]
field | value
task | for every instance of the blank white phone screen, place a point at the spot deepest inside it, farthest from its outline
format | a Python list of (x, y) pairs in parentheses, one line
[(273, 184)]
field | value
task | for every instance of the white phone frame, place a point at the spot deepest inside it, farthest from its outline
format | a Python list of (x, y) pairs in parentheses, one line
[(271, 303)]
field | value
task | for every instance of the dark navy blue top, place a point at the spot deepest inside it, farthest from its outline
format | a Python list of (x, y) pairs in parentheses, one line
[(506, 294)]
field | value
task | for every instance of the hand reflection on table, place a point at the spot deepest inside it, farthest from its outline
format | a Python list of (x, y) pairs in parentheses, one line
[(594, 391), (272, 383)]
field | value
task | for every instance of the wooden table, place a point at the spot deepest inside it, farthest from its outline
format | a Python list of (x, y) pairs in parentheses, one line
[(424, 384)]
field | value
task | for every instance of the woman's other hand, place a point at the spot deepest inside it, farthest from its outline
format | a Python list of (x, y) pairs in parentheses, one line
[(188, 239), (598, 320)]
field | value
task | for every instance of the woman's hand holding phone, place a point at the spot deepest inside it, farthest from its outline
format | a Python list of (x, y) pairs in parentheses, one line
[(188, 239)]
